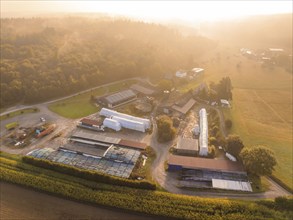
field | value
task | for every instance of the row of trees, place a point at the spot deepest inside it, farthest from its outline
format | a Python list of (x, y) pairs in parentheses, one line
[(52, 57)]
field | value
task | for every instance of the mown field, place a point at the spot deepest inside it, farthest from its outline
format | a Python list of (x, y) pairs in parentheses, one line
[(81, 105), (262, 104), (14, 170)]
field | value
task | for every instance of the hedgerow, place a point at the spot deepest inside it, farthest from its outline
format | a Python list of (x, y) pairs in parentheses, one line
[(140, 200), (87, 174)]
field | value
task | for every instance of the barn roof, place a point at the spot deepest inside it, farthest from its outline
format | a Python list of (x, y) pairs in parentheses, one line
[(204, 163), (120, 96)]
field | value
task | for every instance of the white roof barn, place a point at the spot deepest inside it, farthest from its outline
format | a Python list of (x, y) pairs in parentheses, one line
[(203, 135)]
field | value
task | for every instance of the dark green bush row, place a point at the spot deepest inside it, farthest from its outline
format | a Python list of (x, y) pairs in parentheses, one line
[(87, 174), (146, 201)]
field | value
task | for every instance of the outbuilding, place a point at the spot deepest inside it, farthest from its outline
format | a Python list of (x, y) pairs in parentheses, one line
[(118, 98), (187, 146)]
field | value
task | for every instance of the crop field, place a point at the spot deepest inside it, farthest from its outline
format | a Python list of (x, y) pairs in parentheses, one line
[(80, 105), (159, 203)]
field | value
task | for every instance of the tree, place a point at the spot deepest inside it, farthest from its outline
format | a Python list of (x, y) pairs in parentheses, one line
[(234, 145), (166, 131), (258, 160), (165, 85), (228, 123)]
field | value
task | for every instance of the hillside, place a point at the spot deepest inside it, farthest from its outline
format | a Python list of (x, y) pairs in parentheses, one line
[(44, 58), (256, 31)]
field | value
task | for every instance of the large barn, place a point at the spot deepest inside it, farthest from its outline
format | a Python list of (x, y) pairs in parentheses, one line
[(209, 173), (118, 98), (203, 135)]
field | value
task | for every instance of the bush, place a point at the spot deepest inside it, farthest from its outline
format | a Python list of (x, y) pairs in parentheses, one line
[(228, 124), (166, 131), (213, 141), (284, 203), (212, 152), (89, 175)]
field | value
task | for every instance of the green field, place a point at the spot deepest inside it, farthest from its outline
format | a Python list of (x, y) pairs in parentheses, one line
[(19, 112), (80, 105), (262, 105), (14, 170)]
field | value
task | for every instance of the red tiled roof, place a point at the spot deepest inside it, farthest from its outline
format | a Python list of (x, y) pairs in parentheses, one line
[(203, 163), (90, 121), (133, 144)]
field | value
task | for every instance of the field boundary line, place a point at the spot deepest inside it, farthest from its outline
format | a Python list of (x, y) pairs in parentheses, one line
[(270, 107)]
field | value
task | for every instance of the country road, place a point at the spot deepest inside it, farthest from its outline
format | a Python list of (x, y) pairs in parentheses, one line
[(37, 105)]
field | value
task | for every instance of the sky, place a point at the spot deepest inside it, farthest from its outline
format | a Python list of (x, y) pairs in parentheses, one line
[(149, 10)]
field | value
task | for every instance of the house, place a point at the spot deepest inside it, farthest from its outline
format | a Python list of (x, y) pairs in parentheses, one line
[(181, 74)]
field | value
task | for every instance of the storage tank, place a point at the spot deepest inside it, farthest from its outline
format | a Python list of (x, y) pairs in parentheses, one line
[(113, 124), (130, 124)]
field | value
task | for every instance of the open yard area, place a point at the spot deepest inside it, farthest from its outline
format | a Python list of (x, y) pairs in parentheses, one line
[(81, 105)]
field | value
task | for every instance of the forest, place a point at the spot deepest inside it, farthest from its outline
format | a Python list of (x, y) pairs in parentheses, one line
[(46, 58)]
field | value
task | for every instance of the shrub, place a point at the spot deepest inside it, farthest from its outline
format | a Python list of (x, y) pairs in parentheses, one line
[(89, 175), (228, 123)]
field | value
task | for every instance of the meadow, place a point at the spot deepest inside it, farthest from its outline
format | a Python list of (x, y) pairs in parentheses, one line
[(262, 104), (81, 105)]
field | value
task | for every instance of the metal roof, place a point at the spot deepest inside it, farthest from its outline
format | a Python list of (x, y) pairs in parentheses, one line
[(113, 164), (96, 137), (187, 144), (90, 121), (120, 96), (142, 89), (184, 109), (133, 144), (205, 164), (231, 185)]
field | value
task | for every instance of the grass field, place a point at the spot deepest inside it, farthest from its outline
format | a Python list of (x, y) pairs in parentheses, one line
[(80, 105), (19, 112), (262, 105)]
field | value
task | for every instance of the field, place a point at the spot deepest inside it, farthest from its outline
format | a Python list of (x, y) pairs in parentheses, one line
[(80, 105), (19, 112), (14, 170), (262, 105)]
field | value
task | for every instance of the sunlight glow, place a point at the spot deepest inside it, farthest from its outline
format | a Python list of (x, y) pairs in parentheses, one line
[(151, 10)]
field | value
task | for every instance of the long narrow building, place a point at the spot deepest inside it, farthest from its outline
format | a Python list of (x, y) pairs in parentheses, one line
[(203, 135)]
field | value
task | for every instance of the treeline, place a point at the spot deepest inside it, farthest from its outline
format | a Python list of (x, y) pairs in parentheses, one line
[(139, 200), (88, 175), (47, 58)]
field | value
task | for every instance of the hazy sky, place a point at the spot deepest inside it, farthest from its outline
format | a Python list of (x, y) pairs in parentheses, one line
[(162, 10)]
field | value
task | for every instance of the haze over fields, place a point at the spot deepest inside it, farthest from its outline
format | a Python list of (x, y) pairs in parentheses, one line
[(51, 49)]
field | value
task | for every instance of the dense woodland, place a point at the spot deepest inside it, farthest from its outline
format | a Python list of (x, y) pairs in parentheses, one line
[(45, 58)]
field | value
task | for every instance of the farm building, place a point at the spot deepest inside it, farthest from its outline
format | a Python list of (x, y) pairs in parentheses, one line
[(118, 98), (203, 135), (129, 124), (142, 89), (110, 113), (225, 103), (209, 173), (181, 74), (187, 146), (183, 109), (197, 71), (113, 124), (101, 140), (116, 161), (90, 124)]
